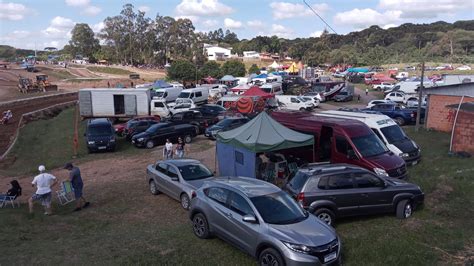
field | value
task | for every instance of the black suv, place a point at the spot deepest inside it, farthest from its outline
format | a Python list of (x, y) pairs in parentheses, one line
[(337, 190), (100, 135), (137, 127), (158, 133)]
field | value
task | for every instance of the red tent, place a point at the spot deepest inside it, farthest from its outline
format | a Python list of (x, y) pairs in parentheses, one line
[(256, 91)]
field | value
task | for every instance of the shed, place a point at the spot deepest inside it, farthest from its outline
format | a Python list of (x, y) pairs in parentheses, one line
[(462, 137), (237, 149)]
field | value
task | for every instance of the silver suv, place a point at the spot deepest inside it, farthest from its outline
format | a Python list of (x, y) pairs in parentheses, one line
[(264, 221)]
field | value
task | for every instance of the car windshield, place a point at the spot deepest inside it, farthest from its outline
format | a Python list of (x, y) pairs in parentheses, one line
[(298, 181), (267, 90), (100, 130), (194, 172), (184, 95), (369, 145), (279, 208), (343, 93), (159, 94), (393, 133)]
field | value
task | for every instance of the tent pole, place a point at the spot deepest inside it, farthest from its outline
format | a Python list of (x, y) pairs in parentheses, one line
[(215, 160)]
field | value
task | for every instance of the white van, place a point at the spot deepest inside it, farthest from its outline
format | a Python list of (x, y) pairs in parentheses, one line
[(170, 94), (159, 107), (228, 101), (293, 102), (391, 134), (274, 88), (199, 95)]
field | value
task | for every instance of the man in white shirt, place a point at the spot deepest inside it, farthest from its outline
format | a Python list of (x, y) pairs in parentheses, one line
[(43, 183)]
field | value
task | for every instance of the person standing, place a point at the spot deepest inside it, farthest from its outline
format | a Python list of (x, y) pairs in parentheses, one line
[(366, 91), (180, 146), (358, 98), (168, 150), (43, 183), (77, 184)]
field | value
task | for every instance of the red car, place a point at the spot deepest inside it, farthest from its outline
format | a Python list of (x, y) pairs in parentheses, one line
[(121, 128)]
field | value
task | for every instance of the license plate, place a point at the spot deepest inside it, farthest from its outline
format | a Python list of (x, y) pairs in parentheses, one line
[(330, 257), (102, 148)]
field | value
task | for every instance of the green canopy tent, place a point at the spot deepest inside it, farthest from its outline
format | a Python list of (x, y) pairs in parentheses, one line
[(236, 149)]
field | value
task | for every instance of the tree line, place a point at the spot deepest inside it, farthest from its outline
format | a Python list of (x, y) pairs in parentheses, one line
[(132, 38)]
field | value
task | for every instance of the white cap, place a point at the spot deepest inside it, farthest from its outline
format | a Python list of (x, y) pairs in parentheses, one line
[(41, 168)]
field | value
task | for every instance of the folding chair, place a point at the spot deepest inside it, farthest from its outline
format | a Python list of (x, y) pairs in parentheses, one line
[(9, 199), (66, 194)]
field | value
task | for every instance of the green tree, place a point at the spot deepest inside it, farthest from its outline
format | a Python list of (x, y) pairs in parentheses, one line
[(83, 41), (211, 68), (234, 68), (254, 69), (182, 70)]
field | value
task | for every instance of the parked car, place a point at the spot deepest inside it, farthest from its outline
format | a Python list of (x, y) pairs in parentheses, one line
[(100, 135), (211, 110), (194, 118), (122, 127), (138, 127), (177, 178), (199, 95), (384, 86), (400, 114), (225, 125), (343, 96), (374, 102), (293, 102), (337, 190), (398, 97), (463, 68), (312, 99), (262, 220), (158, 133), (412, 102), (163, 109)]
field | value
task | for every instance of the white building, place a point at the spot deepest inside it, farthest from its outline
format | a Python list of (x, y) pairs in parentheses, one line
[(216, 52), (251, 55)]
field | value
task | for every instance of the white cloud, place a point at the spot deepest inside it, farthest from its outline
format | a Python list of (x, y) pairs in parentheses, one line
[(363, 18), (145, 9), (257, 24), (232, 24), (426, 8), (98, 27), (12, 11), (210, 23), (281, 31), (15, 35), (388, 26), (91, 11), (202, 8), (284, 10), (77, 2), (316, 34), (59, 31), (194, 19)]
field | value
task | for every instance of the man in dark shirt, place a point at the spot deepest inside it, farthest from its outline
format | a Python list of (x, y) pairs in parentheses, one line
[(76, 182)]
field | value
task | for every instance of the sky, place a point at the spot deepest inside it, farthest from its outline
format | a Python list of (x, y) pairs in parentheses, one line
[(47, 23)]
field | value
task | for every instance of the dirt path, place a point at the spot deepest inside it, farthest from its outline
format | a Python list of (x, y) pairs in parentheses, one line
[(7, 131)]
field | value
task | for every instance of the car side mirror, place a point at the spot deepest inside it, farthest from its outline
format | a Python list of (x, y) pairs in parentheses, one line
[(176, 179), (351, 155), (249, 218)]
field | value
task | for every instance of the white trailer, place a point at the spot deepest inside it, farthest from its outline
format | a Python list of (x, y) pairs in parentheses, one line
[(109, 102)]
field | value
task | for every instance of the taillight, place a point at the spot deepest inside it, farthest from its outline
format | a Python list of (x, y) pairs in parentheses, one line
[(193, 194), (300, 199), (413, 114)]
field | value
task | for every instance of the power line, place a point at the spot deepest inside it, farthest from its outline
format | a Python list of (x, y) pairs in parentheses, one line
[(327, 24)]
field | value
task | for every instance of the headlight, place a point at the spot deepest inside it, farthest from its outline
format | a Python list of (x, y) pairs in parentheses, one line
[(91, 142), (112, 139), (380, 171), (404, 155), (140, 139), (297, 247)]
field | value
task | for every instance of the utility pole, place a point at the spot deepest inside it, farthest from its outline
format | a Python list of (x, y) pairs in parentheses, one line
[(420, 95)]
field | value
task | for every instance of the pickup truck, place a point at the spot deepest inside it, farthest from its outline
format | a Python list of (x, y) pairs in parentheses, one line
[(194, 118), (158, 133), (400, 114)]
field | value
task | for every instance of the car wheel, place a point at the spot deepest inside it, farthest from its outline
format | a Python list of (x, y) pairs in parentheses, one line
[(302, 109), (200, 226), (185, 202), (404, 209), (270, 257), (188, 139), (149, 144), (196, 128), (400, 121), (154, 188), (325, 215)]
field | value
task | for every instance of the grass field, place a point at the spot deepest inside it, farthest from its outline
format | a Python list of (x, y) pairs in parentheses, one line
[(127, 225), (109, 70)]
